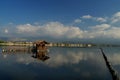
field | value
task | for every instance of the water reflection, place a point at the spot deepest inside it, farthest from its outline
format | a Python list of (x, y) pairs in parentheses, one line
[(40, 54), (61, 63), (16, 49)]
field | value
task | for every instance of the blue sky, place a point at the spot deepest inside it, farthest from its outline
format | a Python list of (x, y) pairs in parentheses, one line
[(30, 11), (60, 19)]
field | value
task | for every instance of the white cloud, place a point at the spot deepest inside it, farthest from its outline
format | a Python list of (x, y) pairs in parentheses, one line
[(27, 28), (100, 19), (116, 17), (6, 31), (114, 32), (78, 21), (87, 17), (52, 29), (106, 32), (101, 27), (57, 30)]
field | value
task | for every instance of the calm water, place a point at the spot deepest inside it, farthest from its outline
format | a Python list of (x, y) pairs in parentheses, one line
[(62, 64)]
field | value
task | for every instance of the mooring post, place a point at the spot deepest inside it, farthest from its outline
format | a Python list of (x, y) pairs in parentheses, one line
[(111, 70)]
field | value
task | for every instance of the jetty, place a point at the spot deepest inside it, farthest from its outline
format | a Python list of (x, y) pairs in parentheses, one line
[(45, 43), (38, 50), (55, 44)]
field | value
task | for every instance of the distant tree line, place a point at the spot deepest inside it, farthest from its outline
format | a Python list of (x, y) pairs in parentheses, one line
[(1, 41)]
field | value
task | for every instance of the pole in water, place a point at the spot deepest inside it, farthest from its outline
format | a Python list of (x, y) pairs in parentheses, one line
[(111, 70)]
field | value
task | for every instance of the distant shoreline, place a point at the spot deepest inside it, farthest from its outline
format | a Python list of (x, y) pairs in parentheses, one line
[(16, 44), (51, 44)]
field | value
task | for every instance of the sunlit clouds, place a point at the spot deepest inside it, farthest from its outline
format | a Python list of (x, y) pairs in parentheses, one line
[(52, 29), (95, 19), (100, 19), (87, 17), (59, 59), (6, 31), (78, 21), (102, 27), (116, 17)]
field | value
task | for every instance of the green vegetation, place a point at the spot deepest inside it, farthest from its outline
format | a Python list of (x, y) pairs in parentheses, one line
[(1, 41)]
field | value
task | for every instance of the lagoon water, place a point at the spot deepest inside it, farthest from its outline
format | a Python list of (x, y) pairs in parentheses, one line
[(62, 64)]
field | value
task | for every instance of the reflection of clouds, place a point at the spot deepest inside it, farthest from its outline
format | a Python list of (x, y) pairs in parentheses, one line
[(63, 58), (26, 60), (5, 55), (83, 64), (19, 58), (68, 58), (71, 57), (114, 58), (59, 58)]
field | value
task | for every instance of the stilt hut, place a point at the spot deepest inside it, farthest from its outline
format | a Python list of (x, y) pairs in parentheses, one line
[(41, 50), (41, 45)]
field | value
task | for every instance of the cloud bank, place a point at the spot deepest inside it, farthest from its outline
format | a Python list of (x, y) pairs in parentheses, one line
[(104, 28)]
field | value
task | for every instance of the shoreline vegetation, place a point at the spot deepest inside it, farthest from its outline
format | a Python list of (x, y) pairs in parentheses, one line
[(52, 44), (15, 43)]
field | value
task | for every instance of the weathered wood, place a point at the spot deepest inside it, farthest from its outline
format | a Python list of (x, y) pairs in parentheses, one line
[(41, 50), (111, 70), (41, 45)]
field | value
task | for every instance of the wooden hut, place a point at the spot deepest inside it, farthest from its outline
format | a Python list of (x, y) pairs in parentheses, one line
[(41, 45)]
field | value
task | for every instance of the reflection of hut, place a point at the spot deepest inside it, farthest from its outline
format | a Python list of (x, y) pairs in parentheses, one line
[(16, 49), (41, 55), (41, 45), (40, 50)]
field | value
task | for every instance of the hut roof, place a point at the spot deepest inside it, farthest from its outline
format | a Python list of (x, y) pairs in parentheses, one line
[(41, 41)]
